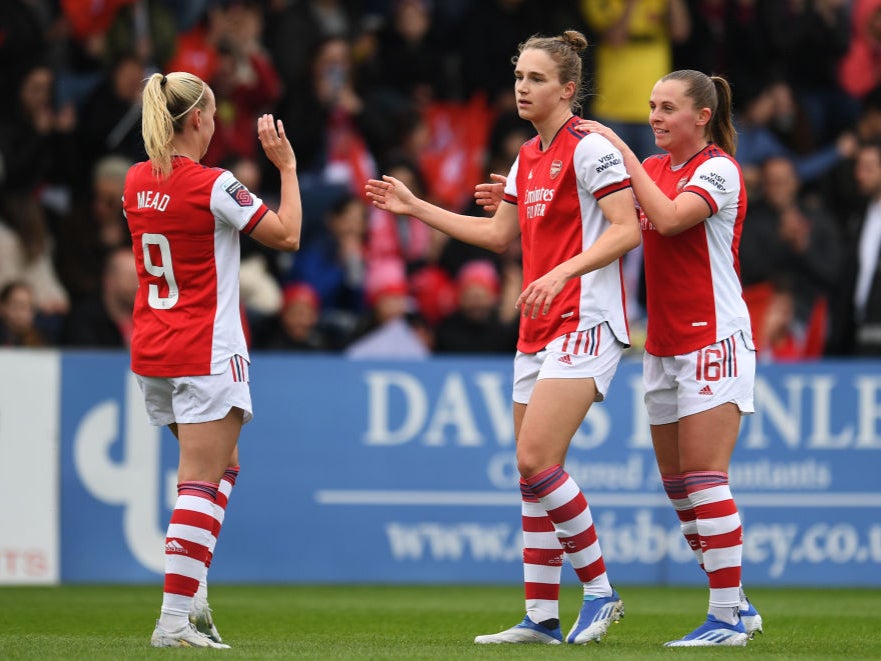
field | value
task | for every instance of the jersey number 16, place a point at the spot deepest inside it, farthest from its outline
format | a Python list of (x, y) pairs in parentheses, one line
[(711, 365)]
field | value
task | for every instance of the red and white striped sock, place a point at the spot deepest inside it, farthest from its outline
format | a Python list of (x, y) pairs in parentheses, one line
[(721, 538), (542, 559), (186, 550), (227, 482), (674, 486), (567, 507)]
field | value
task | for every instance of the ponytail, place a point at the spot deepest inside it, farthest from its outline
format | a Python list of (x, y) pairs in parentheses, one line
[(167, 100), (722, 130)]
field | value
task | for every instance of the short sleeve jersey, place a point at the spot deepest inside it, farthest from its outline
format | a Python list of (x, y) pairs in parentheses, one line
[(185, 238), (556, 192), (693, 292)]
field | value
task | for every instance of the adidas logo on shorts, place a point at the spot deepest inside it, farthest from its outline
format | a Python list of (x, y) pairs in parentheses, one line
[(705, 391), (566, 359)]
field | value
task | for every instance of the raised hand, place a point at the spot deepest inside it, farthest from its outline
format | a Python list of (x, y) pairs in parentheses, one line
[(275, 143)]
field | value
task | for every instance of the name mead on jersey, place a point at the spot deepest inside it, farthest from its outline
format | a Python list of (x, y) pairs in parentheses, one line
[(153, 200)]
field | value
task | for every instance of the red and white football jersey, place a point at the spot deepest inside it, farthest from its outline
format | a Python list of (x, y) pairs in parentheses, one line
[(556, 193), (185, 238), (693, 291)]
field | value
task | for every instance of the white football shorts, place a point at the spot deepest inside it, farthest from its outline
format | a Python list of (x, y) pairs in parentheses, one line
[(677, 386), (190, 399), (590, 354)]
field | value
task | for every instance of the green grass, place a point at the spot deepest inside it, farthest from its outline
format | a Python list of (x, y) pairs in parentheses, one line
[(420, 622)]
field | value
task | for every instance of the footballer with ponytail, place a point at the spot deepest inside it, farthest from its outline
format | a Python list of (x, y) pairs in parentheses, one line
[(188, 349), (166, 102), (692, 202)]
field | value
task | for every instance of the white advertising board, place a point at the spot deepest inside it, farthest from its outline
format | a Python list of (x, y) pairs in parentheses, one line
[(29, 480)]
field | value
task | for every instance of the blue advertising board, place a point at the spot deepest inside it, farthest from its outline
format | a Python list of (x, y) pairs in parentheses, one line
[(404, 471)]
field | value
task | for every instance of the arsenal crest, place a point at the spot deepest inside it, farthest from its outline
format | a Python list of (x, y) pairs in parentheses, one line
[(556, 166)]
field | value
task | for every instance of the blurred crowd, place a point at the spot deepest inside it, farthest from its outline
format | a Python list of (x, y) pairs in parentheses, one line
[(423, 90)]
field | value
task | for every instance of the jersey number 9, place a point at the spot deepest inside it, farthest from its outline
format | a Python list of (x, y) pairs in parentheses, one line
[(163, 270)]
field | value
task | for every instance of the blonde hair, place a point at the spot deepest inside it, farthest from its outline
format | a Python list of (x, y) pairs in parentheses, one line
[(565, 50), (167, 100)]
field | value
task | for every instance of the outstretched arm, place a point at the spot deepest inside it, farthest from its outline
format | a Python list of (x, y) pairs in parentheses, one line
[(494, 233)]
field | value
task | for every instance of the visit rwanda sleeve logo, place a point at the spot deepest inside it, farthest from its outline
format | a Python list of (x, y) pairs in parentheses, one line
[(240, 194)]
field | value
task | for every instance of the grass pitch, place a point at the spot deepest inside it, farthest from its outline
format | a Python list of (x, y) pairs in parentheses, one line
[(421, 622)]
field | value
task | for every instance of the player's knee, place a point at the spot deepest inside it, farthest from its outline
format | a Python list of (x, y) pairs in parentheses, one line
[(529, 465)]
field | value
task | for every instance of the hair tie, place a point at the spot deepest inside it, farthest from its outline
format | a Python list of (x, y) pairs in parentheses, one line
[(163, 81)]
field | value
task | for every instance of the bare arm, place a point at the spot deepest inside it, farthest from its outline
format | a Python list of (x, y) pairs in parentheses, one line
[(622, 235), (494, 233), (669, 217), (280, 230)]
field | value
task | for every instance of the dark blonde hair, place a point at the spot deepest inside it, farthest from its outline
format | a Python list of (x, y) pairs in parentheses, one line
[(167, 100), (711, 92), (565, 50)]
